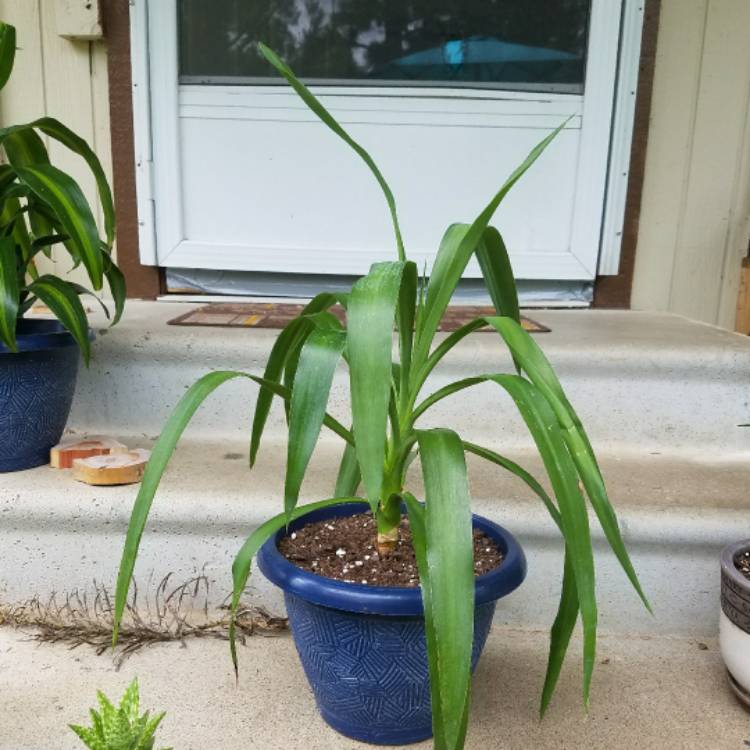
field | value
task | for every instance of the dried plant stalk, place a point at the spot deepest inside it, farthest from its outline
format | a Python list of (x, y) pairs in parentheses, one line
[(170, 613)]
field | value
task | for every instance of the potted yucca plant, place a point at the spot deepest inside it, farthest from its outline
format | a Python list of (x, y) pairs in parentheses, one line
[(42, 207), (392, 664)]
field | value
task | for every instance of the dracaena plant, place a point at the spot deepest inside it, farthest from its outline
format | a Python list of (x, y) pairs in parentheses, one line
[(387, 404), (42, 207), (120, 727)]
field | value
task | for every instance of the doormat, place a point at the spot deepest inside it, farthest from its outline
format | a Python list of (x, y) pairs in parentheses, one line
[(278, 314)]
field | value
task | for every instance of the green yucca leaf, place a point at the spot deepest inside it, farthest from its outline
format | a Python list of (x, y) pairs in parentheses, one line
[(9, 292), (571, 518), (370, 317), (459, 242), (531, 358), (62, 299), (449, 557), (520, 472), (65, 197), (325, 116), (318, 360), (243, 561), (7, 52), (562, 629), (349, 477), (561, 470), (498, 273), (160, 455), (567, 613), (288, 341)]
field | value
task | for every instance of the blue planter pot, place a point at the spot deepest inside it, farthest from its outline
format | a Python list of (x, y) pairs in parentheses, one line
[(363, 647), (36, 391)]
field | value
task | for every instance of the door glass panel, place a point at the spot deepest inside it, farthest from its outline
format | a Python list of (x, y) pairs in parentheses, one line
[(532, 45)]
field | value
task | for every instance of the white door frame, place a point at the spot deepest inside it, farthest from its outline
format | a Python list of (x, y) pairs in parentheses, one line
[(600, 197)]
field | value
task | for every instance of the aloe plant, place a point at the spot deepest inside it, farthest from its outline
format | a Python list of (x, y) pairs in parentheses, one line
[(387, 403), (121, 727), (42, 207)]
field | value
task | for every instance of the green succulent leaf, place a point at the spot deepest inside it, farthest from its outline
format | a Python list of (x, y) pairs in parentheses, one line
[(62, 299), (65, 197), (9, 292)]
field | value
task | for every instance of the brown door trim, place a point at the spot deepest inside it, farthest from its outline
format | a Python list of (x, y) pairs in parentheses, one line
[(142, 281), (614, 291)]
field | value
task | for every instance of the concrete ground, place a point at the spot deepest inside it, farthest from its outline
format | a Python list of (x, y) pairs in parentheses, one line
[(665, 693)]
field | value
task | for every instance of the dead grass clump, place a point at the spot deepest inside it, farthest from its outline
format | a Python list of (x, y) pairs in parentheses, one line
[(170, 613)]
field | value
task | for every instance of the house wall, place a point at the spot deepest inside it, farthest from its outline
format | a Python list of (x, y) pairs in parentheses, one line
[(62, 78), (695, 211)]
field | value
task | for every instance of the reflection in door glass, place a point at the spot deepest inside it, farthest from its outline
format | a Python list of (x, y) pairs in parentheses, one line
[(537, 45)]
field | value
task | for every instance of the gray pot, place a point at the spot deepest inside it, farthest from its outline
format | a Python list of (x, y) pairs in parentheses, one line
[(734, 621)]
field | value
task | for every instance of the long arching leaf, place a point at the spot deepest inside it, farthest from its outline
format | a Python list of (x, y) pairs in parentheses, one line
[(312, 384), (288, 341), (243, 561), (162, 452), (65, 197), (370, 317), (459, 242), (55, 129), (449, 602), (531, 358), (325, 116), (9, 292), (62, 299)]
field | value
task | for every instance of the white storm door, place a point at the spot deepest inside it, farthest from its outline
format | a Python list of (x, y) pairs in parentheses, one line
[(243, 177)]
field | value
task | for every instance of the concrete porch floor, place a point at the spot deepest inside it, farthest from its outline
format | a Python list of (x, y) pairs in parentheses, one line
[(660, 692)]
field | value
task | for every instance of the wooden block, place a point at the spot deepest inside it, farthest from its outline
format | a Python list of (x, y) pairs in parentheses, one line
[(742, 321), (63, 454), (119, 468)]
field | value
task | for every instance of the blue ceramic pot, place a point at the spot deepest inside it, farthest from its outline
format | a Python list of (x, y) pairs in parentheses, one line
[(36, 391), (363, 647)]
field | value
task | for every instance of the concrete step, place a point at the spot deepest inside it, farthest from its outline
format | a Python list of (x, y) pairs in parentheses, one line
[(640, 381), (648, 694), (58, 535)]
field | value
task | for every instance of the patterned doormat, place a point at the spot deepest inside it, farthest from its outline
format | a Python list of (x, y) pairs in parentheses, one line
[(278, 314)]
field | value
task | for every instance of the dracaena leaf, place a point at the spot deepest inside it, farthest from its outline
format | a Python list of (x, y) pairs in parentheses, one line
[(62, 299), (7, 51), (66, 199), (9, 292)]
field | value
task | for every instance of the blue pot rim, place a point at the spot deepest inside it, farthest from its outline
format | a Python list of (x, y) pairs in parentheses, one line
[(384, 600), (38, 335)]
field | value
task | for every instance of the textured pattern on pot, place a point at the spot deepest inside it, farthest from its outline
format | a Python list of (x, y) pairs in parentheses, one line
[(735, 588), (363, 647), (36, 391)]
